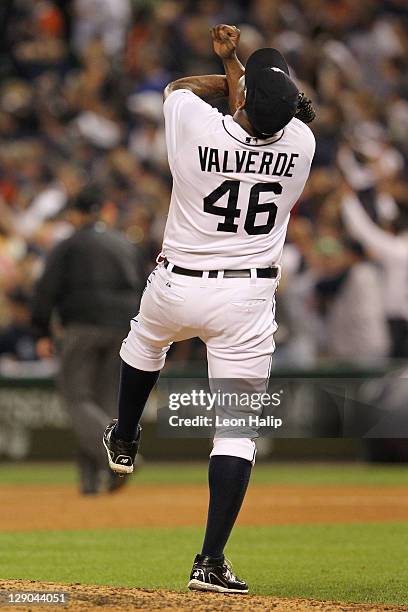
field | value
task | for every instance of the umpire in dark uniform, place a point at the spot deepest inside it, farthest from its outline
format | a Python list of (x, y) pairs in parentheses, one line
[(92, 282)]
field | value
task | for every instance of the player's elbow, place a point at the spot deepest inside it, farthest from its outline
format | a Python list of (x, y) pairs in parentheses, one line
[(175, 85), (168, 89), (172, 86)]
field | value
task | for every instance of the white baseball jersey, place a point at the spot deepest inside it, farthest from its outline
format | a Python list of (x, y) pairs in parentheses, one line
[(232, 193), (230, 206)]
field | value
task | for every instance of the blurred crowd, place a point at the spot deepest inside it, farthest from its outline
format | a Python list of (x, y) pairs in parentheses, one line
[(81, 86)]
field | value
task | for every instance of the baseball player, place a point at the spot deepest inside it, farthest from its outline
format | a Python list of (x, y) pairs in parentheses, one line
[(235, 181)]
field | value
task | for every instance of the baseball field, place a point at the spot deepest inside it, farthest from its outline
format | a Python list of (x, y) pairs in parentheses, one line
[(310, 537)]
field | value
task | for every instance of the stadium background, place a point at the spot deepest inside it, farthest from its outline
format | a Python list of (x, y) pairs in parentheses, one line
[(80, 97)]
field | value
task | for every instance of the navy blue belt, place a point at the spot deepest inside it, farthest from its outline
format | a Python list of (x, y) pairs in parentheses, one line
[(260, 272)]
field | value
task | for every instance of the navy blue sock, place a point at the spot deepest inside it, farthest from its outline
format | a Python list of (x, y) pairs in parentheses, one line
[(134, 389), (228, 479)]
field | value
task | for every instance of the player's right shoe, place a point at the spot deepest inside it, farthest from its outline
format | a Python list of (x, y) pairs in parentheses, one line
[(121, 454), (216, 575)]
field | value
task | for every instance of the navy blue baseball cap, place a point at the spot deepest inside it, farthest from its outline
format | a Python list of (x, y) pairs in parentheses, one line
[(271, 96)]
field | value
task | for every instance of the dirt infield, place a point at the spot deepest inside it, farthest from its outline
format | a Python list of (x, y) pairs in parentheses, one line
[(36, 507), (31, 507), (95, 598)]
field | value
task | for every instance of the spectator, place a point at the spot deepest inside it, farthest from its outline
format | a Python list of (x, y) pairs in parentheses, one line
[(105, 19), (355, 314), (17, 340), (80, 96), (391, 251)]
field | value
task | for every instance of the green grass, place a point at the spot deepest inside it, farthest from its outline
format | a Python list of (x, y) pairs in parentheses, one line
[(357, 562), (196, 473), (360, 563)]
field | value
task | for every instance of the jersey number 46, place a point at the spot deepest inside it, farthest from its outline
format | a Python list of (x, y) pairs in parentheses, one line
[(232, 212)]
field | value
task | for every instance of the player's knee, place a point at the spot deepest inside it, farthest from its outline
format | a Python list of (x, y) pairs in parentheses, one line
[(142, 355), (143, 362), (235, 447)]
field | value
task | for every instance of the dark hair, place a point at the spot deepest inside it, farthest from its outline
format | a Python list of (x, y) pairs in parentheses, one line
[(89, 200), (305, 110)]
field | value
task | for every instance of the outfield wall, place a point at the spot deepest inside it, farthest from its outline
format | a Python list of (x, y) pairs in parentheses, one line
[(35, 426)]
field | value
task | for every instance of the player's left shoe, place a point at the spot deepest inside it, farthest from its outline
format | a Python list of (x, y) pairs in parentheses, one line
[(121, 454), (216, 575)]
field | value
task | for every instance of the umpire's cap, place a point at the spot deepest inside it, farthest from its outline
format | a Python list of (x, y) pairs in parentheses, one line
[(89, 200), (271, 96)]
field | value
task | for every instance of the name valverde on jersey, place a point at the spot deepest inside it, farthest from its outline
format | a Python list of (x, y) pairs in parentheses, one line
[(265, 162), (232, 193)]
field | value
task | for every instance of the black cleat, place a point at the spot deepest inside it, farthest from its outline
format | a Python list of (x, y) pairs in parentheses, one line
[(121, 454), (209, 574)]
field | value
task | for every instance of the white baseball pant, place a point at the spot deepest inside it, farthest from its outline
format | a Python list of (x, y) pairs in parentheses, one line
[(234, 317)]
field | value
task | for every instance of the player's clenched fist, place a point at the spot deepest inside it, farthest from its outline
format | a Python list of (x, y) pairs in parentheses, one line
[(225, 40)]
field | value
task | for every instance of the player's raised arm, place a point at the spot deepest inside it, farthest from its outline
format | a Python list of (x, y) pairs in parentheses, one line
[(208, 87), (225, 42)]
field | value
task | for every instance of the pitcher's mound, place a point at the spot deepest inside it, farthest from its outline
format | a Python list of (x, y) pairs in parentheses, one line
[(96, 598)]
